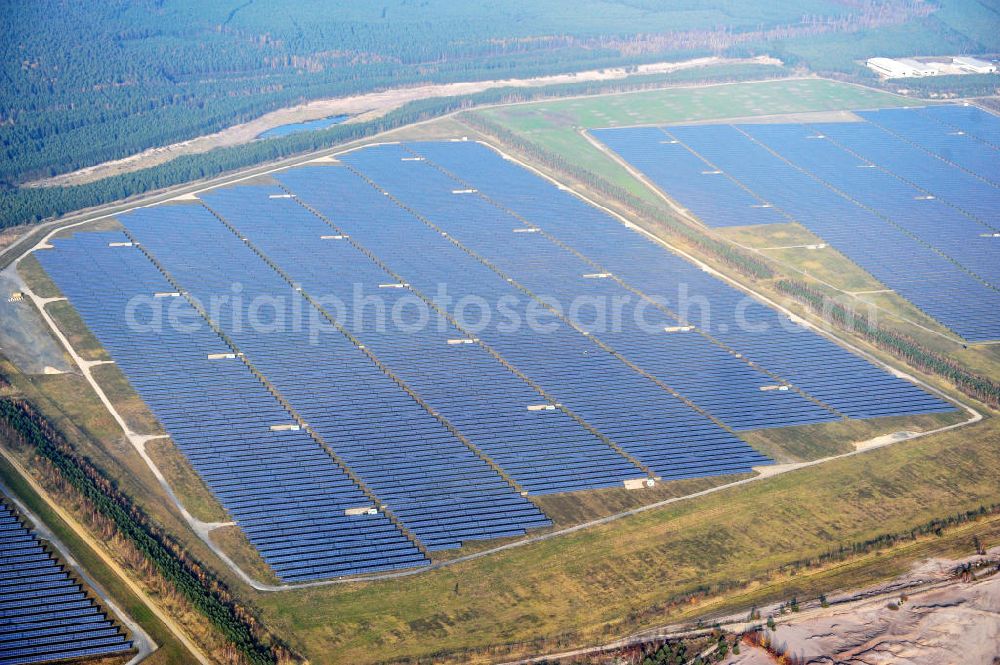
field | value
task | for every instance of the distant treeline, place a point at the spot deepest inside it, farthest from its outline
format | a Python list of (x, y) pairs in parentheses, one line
[(202, 588), (968, 85), (31, 204), (935, 526), (744, 262), (86, 82), (982, 388)]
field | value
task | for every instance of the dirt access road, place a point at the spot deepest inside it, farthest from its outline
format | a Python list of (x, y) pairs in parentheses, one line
[(362, 108)]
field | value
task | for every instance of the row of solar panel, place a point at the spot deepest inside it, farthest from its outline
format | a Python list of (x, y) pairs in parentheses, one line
[(543, 452), (912, 210), (906, 195), (220, 415), (45, 614), (966, 118), (278, 484), (950, 133), (432, 529), (703, 371), (430, 479), (746, 327), (890, 251), (660, 429)]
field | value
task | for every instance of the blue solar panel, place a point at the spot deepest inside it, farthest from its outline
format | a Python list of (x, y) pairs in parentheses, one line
[(284, 490), (441, 419), (943, 180), (821, 368), (694, 183), (948, 144), (704, 371), (905, 199), (658, 429), (431, 480), (543, 452), (972, 120), (44, 613), (927, 219)]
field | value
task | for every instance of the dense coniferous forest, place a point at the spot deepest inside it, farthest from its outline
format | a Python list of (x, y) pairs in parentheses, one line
[(31, 204), (86, 82)]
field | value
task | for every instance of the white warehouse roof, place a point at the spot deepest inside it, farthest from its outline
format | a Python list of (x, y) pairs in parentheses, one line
[(891, 68), (974, 65)]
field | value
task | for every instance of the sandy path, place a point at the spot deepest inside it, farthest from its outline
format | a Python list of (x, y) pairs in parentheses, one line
[(363, 107)]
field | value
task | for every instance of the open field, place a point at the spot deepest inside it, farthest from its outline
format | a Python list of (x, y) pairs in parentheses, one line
[(186, 484), (76, 332), (812, 442), (794, 249), (129, 405)]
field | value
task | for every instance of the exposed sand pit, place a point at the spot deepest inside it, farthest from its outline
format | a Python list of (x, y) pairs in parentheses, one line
[(954, 624)]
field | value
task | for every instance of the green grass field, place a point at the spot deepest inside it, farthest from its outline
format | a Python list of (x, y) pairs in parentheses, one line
[(833, 273), (130, 406), (186, 484)]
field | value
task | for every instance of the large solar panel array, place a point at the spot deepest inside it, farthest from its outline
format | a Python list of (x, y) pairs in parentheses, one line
[(544, 451), (427, 477), (969, 119), (705, 372), (949, 144), (284, 490), (640, 417), (910, 195), (45, 613), (340, 449), (827, 372), (928, 220)]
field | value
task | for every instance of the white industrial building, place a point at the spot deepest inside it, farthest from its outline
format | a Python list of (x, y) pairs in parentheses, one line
[(974, 65), (892, 69), (909, 68), (921, 68)]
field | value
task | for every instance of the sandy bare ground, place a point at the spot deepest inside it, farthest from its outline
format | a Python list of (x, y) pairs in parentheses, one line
[(953, 624), (24, 339), (362, 107), (775, 119)]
